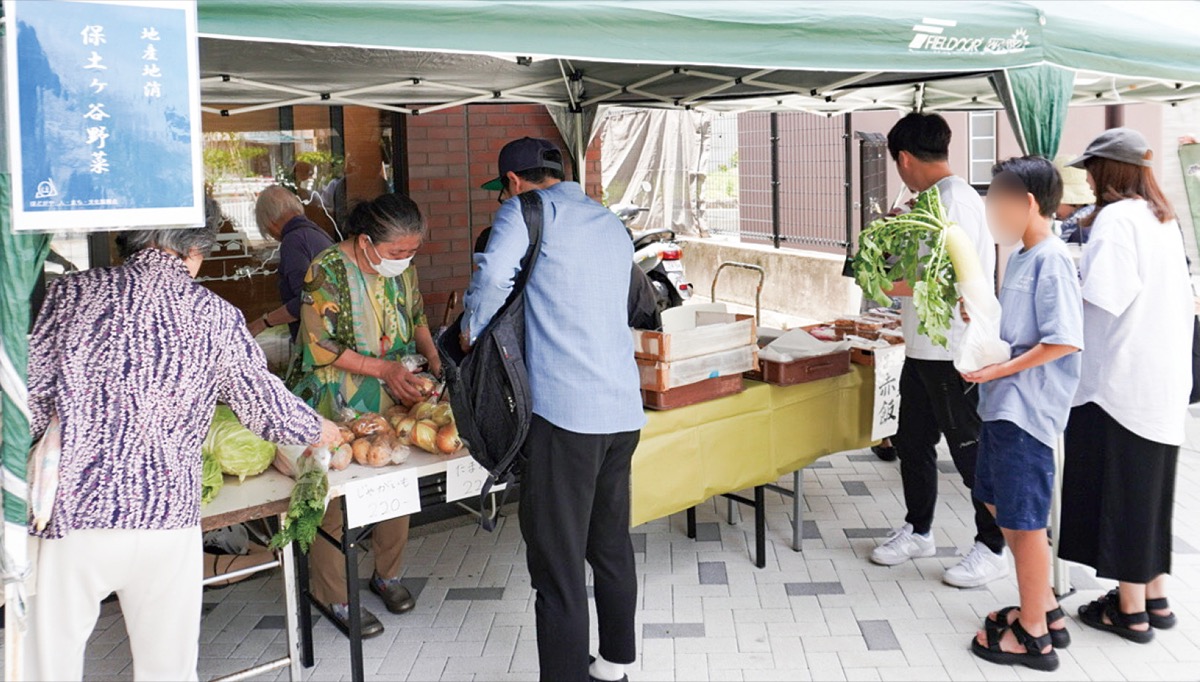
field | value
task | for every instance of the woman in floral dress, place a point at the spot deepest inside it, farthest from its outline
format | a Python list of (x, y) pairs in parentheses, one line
[(360, 313)]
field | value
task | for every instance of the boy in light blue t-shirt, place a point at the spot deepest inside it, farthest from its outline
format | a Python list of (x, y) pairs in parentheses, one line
[(1024, 403)]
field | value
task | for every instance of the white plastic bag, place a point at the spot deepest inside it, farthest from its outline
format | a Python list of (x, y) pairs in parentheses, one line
[(980, 344), (44, 459)]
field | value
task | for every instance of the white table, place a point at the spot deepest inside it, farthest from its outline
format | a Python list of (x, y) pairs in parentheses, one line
[(269, 494)]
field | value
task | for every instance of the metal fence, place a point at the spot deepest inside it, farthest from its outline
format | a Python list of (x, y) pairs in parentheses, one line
[(794, 187), (723, 169)]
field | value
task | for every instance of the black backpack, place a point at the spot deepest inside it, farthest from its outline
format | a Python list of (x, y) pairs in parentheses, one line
[(489, 387)]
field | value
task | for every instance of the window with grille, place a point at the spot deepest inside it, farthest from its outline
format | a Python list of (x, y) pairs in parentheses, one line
[(983, 146)]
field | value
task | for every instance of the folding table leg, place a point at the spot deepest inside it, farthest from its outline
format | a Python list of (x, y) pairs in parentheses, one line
[(350, 549), (760, 526), (1060, 577), (292, 601), (304, 604), (691, 522), (798, 510)]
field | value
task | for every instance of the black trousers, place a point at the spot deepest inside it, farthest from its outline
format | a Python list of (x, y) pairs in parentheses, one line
[(575, 508), (934, 400)]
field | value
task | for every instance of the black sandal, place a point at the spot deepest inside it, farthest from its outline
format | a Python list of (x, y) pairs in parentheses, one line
[(1160, 622), (1033, 656), (1061, 638), (1093, 614)]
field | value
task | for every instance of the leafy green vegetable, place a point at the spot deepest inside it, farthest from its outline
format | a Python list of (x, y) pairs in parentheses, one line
[(912, 247), (234, 447), (211, 479), (305, 510)]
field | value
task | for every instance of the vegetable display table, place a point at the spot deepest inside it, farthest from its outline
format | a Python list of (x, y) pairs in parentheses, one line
[(749, 440), (268, 494)]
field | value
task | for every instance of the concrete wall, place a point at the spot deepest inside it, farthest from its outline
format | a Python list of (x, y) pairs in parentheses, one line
[(799, 284)]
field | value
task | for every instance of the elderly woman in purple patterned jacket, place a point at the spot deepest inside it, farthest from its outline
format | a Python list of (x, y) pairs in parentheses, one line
[(133, 360)]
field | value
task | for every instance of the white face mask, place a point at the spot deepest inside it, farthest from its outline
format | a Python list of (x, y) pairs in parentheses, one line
[(388, 267)]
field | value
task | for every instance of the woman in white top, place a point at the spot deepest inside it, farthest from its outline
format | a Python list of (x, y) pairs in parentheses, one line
[(1124, 433)]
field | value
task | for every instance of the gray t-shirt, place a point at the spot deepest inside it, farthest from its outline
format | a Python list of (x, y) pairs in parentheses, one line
[(1041, 303)]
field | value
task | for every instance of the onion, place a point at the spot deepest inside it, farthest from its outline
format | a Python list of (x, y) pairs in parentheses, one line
[(421, 410), (442, 414), (424, 436), (403, 429), (448, 441)]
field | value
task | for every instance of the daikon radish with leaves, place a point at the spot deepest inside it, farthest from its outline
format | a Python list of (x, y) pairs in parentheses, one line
[(938, 260)]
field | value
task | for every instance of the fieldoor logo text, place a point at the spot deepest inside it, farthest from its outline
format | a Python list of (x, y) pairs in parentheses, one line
[(931, 36)]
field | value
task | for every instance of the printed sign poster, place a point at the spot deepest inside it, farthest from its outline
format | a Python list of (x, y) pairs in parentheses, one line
[(885, 418), (103, 112)]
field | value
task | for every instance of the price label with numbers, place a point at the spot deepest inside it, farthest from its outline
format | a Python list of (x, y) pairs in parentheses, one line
[(381, 498), (464, 478)]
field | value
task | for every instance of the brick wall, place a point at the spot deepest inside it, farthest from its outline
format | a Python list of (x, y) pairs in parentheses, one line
[(450, 154)]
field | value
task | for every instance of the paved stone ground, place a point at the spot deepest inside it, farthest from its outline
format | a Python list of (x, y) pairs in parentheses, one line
[(705, 612)]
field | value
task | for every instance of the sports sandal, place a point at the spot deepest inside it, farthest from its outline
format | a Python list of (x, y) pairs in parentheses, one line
[(1093, 614), (1061, 637), (1032, 658), (1160, 622)]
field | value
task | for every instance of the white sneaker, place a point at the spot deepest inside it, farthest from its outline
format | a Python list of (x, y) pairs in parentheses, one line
[(979, 567), (903, 544)]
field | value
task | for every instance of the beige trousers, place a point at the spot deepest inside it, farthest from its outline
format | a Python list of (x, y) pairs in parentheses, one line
[(157, 576), (328, 566)]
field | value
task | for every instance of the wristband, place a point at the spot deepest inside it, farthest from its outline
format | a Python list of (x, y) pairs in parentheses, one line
[(266, 321)]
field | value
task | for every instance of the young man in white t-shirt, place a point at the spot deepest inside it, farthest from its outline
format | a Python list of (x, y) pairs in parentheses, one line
[(935, 401)]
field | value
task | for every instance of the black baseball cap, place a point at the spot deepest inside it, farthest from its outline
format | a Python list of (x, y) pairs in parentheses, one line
[(1117, 144), (527, 153)]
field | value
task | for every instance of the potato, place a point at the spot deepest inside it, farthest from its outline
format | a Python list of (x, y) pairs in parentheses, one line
[(342, 456), (347, 435), (359, 449), (380, 452), (369, 424)]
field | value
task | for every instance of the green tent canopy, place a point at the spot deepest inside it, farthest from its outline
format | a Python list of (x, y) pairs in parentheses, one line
[(413, 56)]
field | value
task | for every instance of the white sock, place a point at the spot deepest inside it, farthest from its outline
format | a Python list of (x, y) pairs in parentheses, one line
[(603, 670)]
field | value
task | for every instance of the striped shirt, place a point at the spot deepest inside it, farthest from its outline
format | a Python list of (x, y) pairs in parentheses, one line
[(134, 359)]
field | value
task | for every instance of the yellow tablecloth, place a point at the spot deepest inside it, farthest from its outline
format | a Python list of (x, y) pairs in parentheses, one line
[(691, 454)]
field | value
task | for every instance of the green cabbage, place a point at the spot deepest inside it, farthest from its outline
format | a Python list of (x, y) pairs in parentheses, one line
[(239, 452), (211, 479)]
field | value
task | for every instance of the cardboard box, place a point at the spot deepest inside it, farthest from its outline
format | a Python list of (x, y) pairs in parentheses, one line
[(662, 376), (692, 331), (709, 389)]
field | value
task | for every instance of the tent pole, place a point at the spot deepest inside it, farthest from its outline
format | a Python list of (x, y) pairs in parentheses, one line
[(580, 150)]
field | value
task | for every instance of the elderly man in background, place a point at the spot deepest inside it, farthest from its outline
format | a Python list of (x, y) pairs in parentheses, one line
[(314, 205), (280, 214)]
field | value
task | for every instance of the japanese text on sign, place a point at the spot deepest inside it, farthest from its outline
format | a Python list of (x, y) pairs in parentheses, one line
[(464, 478), (103, 114), (383, 497), (885, 417)]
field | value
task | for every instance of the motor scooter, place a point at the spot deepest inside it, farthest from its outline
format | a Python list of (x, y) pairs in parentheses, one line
[(659, 256)]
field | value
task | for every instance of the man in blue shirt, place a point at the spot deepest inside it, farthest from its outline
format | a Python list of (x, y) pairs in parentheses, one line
[(586, 403)]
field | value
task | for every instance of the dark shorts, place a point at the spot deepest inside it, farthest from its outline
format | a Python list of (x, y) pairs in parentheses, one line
[(1015, 473)]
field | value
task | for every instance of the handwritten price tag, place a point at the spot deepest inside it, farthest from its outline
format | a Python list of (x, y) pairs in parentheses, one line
[(464, 478), (381, 498)]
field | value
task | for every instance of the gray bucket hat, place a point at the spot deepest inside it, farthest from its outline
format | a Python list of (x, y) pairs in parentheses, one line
[(1118, 144)]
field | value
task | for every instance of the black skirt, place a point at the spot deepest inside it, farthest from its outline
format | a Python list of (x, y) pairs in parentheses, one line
[(1118, 496)]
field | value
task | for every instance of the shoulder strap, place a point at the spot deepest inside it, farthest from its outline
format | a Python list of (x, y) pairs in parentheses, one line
[(531, 210)]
